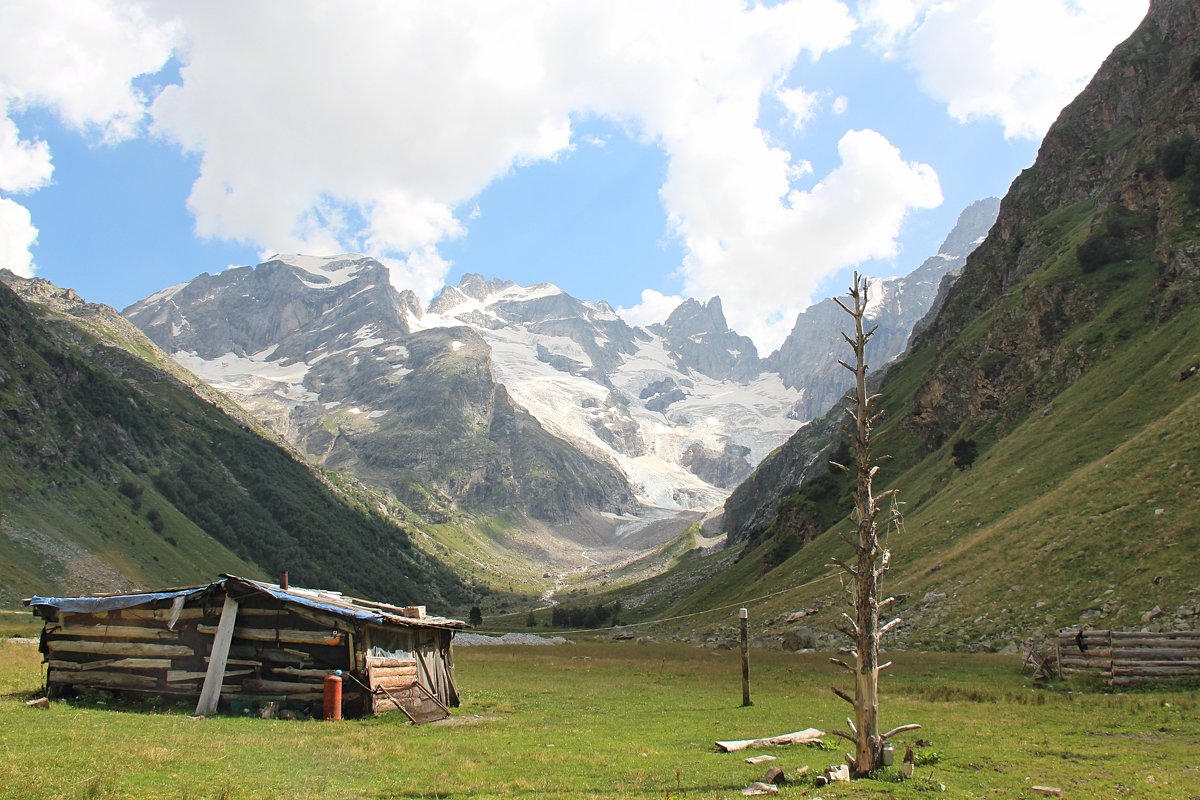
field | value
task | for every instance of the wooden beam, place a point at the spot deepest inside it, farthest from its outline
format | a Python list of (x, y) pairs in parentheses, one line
[(330, 638), (210, 695), (118, 648), (103, 631)]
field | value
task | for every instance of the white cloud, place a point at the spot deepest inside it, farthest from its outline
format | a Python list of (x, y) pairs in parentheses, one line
[(24, 165), (801, 105), (840, 104), (17, 237), (374, 128), (766, 267), (78, 59), (1015, 61), (654, 308), (328, 128)]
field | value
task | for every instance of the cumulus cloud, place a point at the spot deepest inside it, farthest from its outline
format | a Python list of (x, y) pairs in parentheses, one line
[(800, 104), (655, 307), (373, 128), (78, 61), (17, 237), (767, 267), (1015, 61)]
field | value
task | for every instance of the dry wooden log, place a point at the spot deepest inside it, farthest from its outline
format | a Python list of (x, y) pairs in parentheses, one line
[(1156, 672), (113, 663), (1124, 635), (1051, 791), (264, 685), (760, 759), (106, 680), (330, 638), (806, 736), (1155, 652), (118, 648), (122, 632), (164, 614), (1134, 663), (387, 662), (301, 672), (402, 669), (177, 675), (239, 662)]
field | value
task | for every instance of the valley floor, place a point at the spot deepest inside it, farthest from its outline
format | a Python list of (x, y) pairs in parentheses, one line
[(605, 720)]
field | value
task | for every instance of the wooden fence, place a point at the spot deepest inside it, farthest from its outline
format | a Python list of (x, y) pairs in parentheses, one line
[(1129, 657)]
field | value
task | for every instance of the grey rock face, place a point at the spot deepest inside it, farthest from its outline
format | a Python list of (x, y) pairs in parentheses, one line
[(808, 357), (700, 339), (323, 351)]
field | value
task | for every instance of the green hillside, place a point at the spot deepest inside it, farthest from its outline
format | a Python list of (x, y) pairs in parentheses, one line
[(114, 474), (1065, 358)]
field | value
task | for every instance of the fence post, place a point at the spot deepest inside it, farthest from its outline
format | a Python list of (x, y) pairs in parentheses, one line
[(744, 616)]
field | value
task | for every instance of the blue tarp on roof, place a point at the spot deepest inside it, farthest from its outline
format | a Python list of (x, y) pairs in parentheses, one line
[(92, 605), (299, 599)]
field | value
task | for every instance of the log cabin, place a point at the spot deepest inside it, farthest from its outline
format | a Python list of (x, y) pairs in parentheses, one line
[(247, 646)]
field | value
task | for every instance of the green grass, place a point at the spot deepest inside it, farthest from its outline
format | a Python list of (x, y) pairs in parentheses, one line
[(614, 720)]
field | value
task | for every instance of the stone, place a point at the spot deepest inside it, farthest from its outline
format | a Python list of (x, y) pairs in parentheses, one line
[(774, 775), (40, 702), (799, 637)]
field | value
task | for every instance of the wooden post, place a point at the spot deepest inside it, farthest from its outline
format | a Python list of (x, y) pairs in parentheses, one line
[(211, 693), (744, 616)]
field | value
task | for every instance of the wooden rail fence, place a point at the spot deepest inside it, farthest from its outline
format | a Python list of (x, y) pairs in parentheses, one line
[(1129, 657)]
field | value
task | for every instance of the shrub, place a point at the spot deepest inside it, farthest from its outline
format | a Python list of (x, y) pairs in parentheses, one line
[(1099, 249), (965, 451), (1175, 155)]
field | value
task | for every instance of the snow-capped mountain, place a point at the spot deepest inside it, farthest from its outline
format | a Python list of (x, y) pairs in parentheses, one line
[(675, 406), (499, 394)]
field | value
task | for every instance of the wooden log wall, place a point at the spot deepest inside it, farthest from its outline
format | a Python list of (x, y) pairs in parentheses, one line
[(276, 654), (1130, 657)]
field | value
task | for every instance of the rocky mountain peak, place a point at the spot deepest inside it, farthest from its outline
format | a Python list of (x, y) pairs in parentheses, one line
[(966, 235)]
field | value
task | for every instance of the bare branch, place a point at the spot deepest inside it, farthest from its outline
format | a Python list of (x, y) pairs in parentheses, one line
[(887, 601), (884, 665), (853, 727), (842, 695), (837, 562), (847, 366), (853, 624), (889, 626), (845, 735), (871, 332), (851, 760), (912, 726), (842, 664), (836, 465), (843, 305)]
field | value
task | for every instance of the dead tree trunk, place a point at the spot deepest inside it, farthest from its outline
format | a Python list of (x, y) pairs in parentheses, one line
[(871, 555)]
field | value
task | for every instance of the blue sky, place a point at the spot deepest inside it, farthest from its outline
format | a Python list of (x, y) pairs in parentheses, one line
[(636, 153)]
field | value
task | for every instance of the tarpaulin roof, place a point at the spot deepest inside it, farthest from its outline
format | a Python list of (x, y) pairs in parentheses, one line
[(330, 602), (111, 602)]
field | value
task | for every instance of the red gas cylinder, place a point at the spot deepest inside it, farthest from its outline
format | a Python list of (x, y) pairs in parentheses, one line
[(332, 698)]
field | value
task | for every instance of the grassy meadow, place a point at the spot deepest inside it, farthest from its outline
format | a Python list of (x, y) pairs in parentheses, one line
[(615, 720)]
